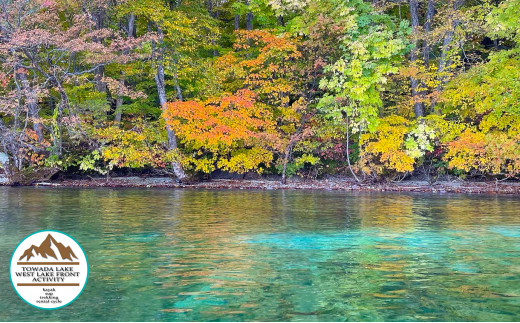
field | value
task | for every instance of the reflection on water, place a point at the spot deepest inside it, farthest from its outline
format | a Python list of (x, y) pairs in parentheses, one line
[(163, 255)]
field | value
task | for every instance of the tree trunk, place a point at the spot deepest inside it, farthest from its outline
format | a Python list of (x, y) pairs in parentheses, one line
[(6, 166), (119, 113), (100, 85), (249, 18), (172, 138), (98, 17), (280, 21), (64, 103), (237, 22), (213, 14), (444, 60), (418, 107), (130, 32), (159, 81), (348, 150), (31, 101), (177, 86), (4, 156), (249, 21), (430, 11)]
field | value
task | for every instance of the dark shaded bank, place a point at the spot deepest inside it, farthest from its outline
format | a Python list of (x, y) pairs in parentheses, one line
[(332, 183)]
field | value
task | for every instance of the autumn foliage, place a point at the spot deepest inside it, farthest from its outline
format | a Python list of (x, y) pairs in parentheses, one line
[(224, 131), (370, 90)]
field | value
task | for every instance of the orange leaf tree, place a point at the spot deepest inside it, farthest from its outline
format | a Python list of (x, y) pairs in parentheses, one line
[(270, 65), (224, 132)]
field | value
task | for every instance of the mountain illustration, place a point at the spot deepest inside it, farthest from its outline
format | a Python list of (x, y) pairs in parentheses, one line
[(45, 249)]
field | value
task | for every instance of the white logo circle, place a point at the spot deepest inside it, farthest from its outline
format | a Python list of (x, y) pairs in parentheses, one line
[(48, 269)]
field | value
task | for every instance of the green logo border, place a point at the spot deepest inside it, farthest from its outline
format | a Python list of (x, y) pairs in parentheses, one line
[(10, 278)]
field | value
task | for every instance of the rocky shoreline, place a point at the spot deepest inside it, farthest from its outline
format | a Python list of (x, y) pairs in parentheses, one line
[(328, 184)]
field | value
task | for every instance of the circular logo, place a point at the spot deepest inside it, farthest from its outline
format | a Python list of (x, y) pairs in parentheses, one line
[(48, 269)]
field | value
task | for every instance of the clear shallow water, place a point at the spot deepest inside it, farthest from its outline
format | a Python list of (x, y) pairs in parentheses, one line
[(177, 255)]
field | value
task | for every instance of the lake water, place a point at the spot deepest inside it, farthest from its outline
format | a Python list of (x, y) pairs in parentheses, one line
[(185, 255)]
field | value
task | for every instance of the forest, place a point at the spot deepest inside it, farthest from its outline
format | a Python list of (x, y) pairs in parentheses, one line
[(377, 91)]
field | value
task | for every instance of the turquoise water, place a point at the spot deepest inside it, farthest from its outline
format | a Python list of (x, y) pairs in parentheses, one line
[(187, 255)]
